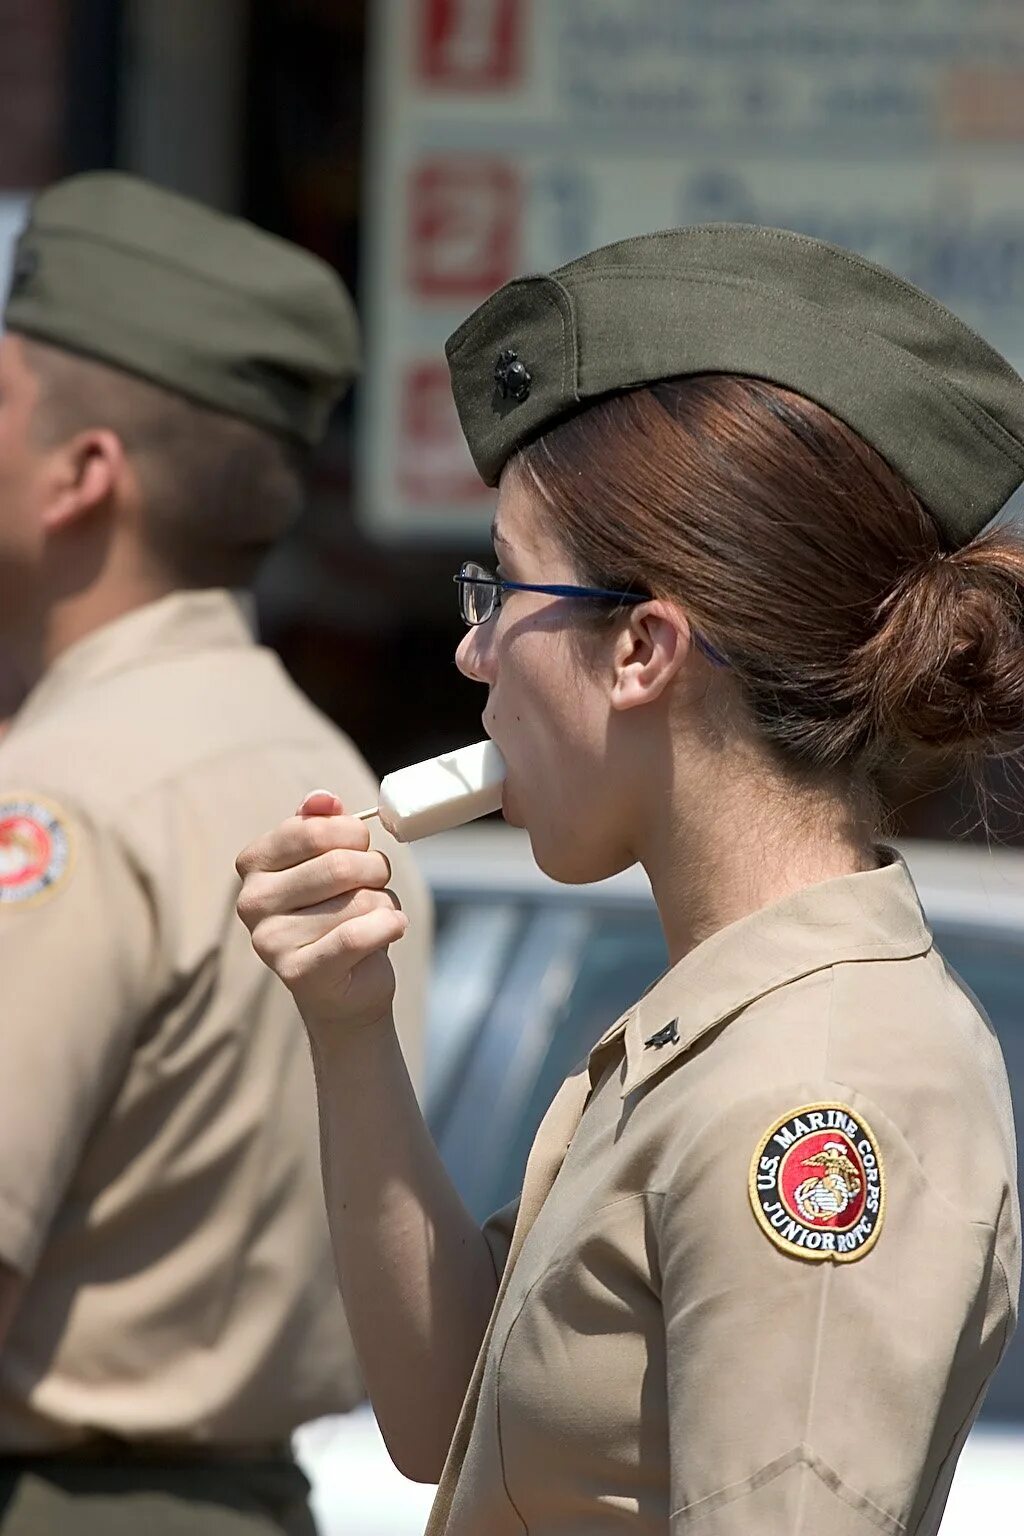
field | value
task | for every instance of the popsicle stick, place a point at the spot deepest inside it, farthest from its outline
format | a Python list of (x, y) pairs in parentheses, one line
[(367, 815)]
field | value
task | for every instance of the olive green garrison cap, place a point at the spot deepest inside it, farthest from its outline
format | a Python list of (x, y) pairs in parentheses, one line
[(941, 405), (206, 305)]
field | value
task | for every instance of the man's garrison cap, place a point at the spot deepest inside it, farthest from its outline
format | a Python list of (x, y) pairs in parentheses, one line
[(206, 305)]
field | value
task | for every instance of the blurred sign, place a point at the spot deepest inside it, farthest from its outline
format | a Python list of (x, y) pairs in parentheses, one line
[(464, 223), (510, 135), (470, 44)]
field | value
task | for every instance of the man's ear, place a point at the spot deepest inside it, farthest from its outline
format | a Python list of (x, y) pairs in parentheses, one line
[(649, 653), (85, 472)]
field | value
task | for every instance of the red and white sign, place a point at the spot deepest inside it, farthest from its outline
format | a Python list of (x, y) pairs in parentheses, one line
[(433, 466), (471, 44), (513, 135), (464, 227)]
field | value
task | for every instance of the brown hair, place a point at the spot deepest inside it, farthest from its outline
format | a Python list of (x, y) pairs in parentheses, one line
[(218, 491), (803, 559)]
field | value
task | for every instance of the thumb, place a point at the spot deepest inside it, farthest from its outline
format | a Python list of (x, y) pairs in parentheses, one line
[(320, 802)]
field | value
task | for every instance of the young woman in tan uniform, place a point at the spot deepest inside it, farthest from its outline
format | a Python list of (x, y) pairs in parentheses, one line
[(767, 1253)]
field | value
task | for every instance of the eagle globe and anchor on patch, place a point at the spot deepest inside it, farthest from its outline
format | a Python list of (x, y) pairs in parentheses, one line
[(35, 850), (817, 1184)]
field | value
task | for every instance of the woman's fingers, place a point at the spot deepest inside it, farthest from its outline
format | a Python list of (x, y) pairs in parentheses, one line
[(315, 899), (320, 802), (300, 839), (276, 935), (337, 956), (320, 879)]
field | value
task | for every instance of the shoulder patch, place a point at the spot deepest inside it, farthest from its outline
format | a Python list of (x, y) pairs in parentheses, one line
[(817, 1184), (35, 849)]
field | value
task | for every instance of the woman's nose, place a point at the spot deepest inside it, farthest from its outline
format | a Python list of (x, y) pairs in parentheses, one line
[(473, 656)]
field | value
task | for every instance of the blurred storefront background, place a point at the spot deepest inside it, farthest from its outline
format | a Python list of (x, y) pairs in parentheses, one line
[(431, 149)]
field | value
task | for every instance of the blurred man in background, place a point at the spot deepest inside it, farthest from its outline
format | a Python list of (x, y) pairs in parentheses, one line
[(168, 1312)]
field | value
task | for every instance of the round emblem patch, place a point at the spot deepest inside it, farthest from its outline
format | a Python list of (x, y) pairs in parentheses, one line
[(35, 850), (817, 1185)]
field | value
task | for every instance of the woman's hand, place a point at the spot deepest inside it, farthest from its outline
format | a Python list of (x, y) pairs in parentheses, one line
[(315, 900)]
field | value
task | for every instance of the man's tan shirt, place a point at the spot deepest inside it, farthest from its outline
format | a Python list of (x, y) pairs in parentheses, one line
[(765, 1287), (159, 1173)]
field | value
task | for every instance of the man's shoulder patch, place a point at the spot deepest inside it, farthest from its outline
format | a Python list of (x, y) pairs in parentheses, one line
[(36, 848), (817, 1184)]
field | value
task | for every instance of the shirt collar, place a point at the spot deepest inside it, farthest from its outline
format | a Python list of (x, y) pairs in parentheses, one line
[(875, 915), (179, 623)]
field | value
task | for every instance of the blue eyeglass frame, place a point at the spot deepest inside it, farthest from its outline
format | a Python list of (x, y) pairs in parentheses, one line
[(549, 589), (558, 589)]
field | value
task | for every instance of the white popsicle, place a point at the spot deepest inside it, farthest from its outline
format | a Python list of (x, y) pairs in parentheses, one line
[(442, 793)]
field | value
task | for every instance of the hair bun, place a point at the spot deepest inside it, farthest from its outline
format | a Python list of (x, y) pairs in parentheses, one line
[(945, 668)]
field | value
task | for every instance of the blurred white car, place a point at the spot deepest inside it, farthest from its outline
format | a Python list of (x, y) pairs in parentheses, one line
[(528, 974)]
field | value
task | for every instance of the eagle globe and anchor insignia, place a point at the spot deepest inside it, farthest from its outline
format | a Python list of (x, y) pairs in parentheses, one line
[(817, 1184), (512, 378)]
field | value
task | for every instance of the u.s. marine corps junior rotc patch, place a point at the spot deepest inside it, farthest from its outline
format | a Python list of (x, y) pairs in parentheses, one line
[(817, 1184), (35, 849)]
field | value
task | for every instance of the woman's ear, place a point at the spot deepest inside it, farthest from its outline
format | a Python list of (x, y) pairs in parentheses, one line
[(85, 472), (649, 653)]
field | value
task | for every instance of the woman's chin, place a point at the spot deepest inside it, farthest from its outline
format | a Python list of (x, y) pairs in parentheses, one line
[(508, 809), (559, 852), (512, 821), (569, 861)]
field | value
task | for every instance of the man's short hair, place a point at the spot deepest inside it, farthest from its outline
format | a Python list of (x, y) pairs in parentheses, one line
[(218, 491)]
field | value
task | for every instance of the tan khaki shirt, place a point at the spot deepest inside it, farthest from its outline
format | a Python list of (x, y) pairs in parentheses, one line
[(766, 1287), (159, 1172)]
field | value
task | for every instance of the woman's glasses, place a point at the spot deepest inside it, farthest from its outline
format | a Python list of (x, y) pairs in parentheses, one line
[(480, 592)]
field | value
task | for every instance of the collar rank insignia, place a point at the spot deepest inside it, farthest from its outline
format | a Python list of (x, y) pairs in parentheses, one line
[(669, 1035), (511, 376)]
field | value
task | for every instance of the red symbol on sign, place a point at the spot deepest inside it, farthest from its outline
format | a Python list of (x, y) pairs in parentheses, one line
[(471, 44), (464, 225), (434, 462)]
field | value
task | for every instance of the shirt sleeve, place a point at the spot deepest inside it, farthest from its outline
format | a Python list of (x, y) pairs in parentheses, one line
[(76, 941), (804, 1392)]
